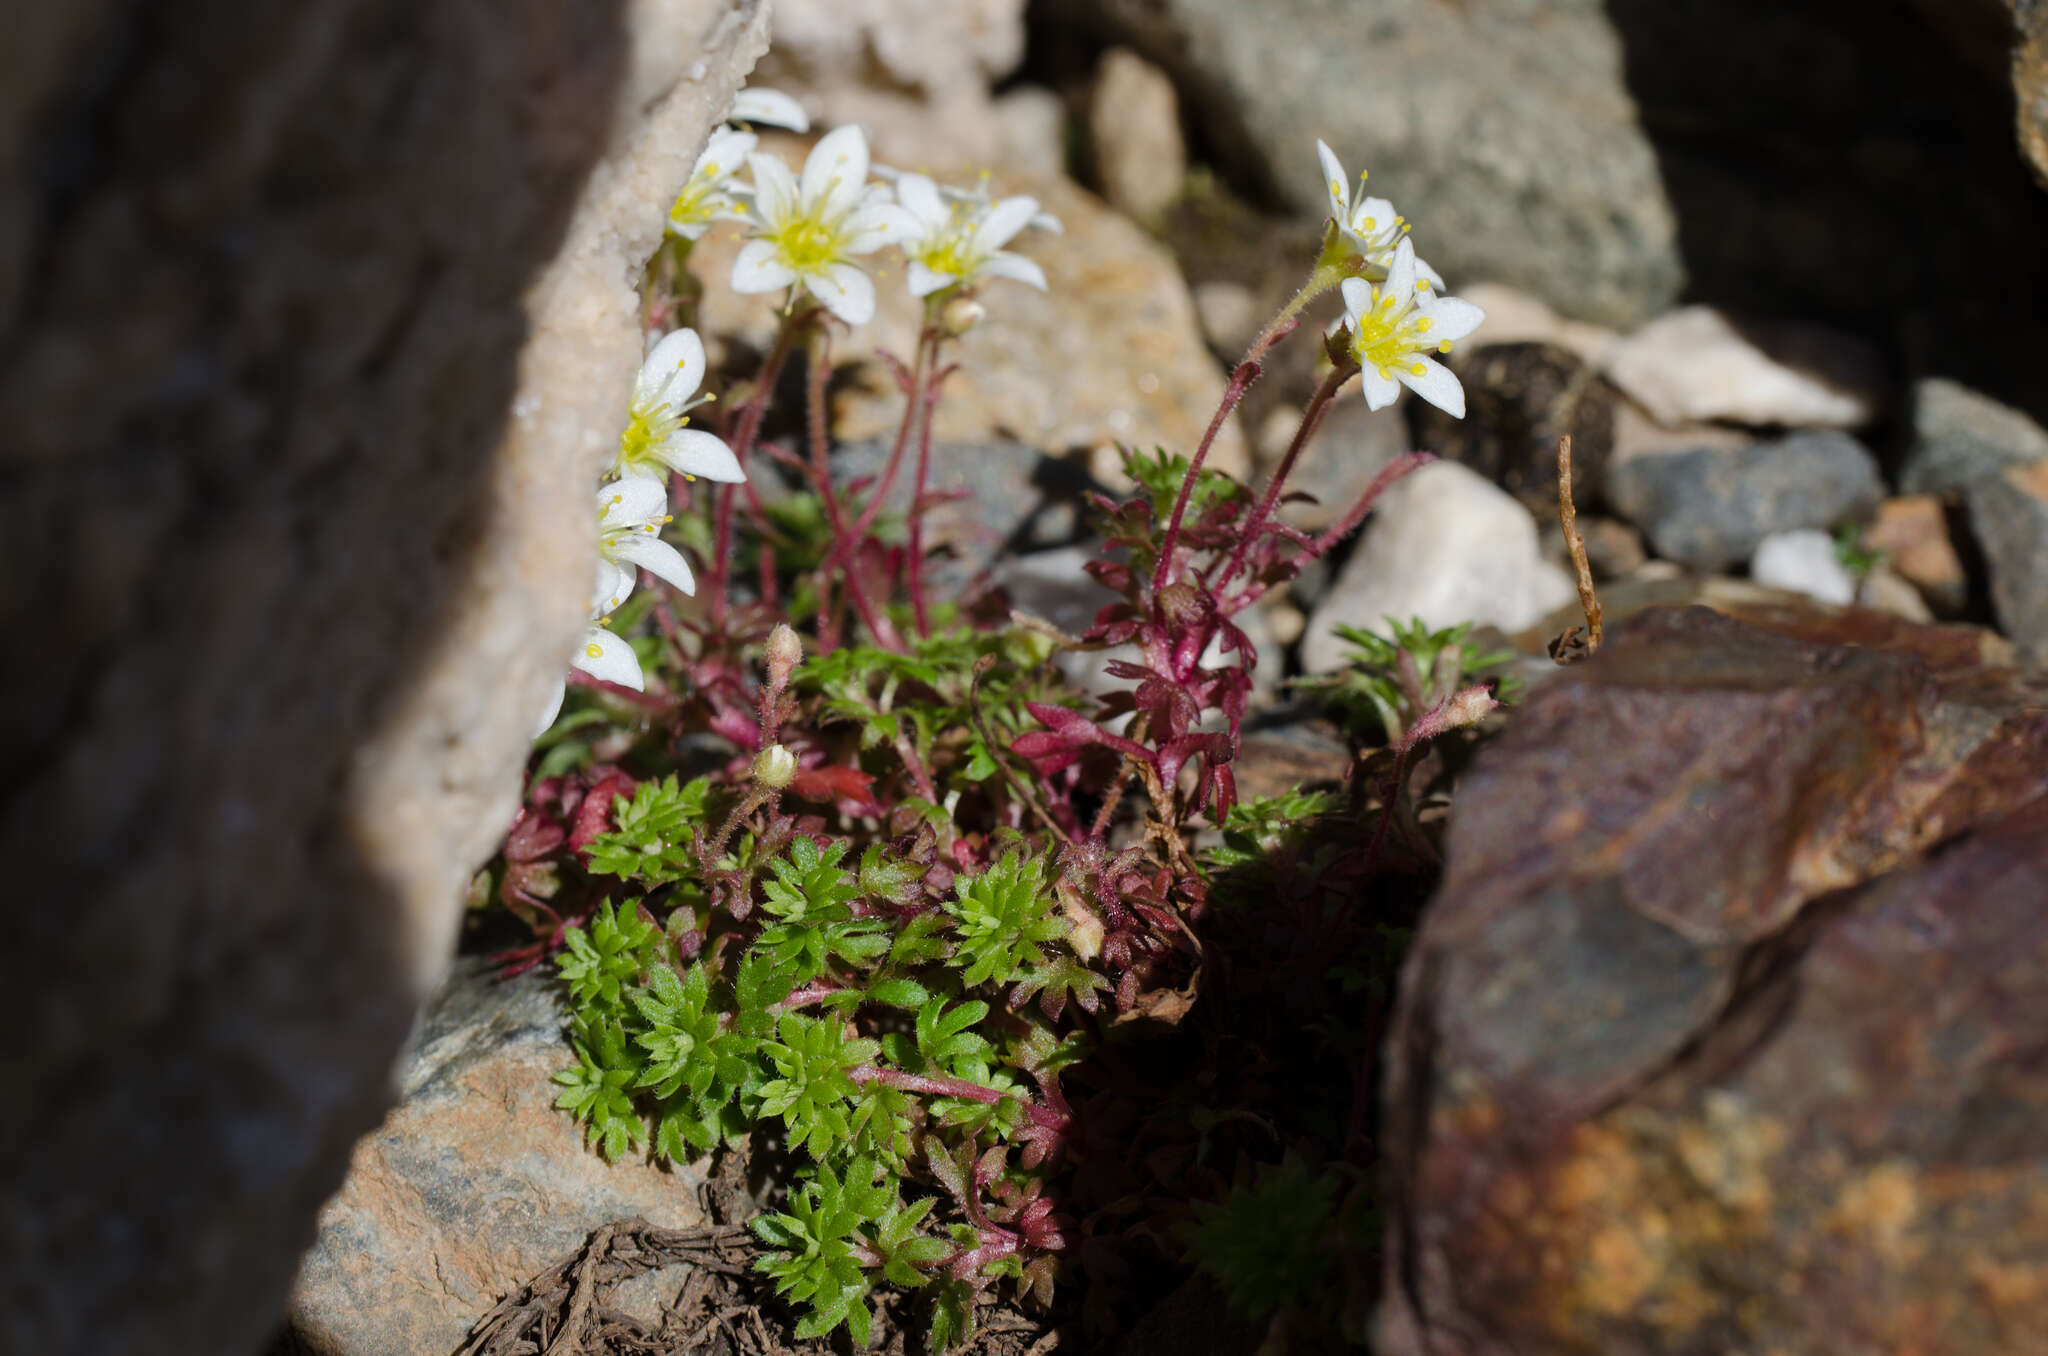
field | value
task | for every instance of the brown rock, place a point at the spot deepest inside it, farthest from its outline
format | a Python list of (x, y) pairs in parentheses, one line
[(1112, 352), (2030, 82), (292, 606), (1912, 531), (1703, 1047), (1519, 400), (474, 1183), (1134, 127)]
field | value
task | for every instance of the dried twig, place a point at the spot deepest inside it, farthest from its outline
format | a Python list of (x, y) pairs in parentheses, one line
[(1572, 647)]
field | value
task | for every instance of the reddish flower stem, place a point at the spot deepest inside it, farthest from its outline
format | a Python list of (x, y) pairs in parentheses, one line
[(719, 568), (930, 399), (1240, 382), (938, 1087), (879, 627), (1311, 420)]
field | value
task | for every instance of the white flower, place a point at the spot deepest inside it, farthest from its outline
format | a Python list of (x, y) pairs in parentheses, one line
[(950, 244), (604, 656), (768, 108), (1395, 324), (655, 440), (710, 195), (1371, 224), (804, 233), (978, 198), (630, 516)]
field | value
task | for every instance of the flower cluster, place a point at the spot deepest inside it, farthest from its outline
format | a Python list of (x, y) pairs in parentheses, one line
[(1395, 316), (807, 229), (632, 503)]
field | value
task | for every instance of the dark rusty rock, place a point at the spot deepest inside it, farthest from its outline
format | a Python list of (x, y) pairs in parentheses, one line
[(1723, 1032), (1520, 399)]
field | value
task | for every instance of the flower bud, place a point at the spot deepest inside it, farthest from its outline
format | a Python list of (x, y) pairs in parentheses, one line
[(785, 652), (960, 315), (774, 768)]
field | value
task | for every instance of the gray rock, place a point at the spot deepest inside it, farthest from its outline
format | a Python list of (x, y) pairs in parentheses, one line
[(1353, 445), (2009, 514), (1456, 110), (474, 1183), (1448, 546), (1960, 436), (1003, 498), (292, 591), (1712, 507)]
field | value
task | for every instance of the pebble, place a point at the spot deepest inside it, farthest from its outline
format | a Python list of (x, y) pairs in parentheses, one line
[(1134, 126), (1447, 546), (2009, 514), (1803, 561)]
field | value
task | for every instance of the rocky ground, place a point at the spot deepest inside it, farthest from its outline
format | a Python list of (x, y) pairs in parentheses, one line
[(1724, 1023)]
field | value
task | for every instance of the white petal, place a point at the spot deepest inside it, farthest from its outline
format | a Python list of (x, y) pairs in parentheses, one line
[(1450, 317), (1015, 267), (924, 281), (630, 503), (658, 558), (608, 659), (845, 292), (1377, 211), (1400, 283), (757, 269), (1047, 222), (1380, 391), (921, 197), (725, 154), (614, 585), (672, 371), (1003, 221), (775, 191), (1358, 297), (1335, 181), (554, 709), (1423, 270), (835, 172), (697, 453), (1434, 383), (771, 108), (879, 224)]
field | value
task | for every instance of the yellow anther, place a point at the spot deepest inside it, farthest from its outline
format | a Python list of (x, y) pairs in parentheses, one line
[(1423, 323), (1422, 284), (1417, 369), (594, 650), (1368, 224), (666, 518), (1336, 189), (1443, 346)]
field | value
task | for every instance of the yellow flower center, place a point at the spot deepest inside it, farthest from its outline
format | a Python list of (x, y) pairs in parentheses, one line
[(646, 429), (1383, 344), (806, 244)]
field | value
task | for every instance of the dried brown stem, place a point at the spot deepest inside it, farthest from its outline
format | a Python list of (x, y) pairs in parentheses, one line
[(1571, 647)]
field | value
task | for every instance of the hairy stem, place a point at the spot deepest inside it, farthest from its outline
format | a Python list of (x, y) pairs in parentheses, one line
[(745, 432), (1240, 382), (1311, 420), (879, 627)]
